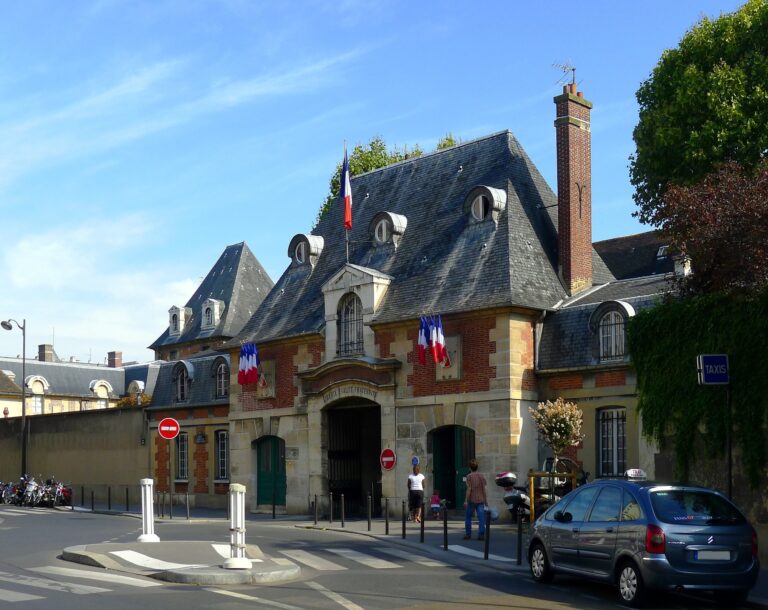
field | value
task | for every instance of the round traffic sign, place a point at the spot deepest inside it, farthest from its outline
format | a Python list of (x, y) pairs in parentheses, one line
[(168, 428), (388, 459)]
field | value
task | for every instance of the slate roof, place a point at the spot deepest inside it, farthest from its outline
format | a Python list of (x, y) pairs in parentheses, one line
[(68, 378), (635, 255), (202, 389), (7, 385), (566, 340), (444, 262), (237, 279)]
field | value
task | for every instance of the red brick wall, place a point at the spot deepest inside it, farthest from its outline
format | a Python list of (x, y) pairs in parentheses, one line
[(475, 349), (161, 463), (384, 339), (566, 382), (220, 488), (200, 468), (609, 378)]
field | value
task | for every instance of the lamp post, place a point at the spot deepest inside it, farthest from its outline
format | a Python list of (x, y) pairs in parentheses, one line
[(6, 324)]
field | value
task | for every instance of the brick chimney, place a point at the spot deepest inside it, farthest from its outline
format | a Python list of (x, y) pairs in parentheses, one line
[(114, 360), (574, 189), (45, 353)]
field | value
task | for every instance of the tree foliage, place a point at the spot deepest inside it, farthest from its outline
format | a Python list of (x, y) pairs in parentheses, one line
[(362, 159), (706, 102), (559, 424), (129, 400), (447, 141), (664, 342), (721, 223)]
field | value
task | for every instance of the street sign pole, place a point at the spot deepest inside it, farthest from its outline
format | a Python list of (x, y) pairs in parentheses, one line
[(713, 369), (729, 441)]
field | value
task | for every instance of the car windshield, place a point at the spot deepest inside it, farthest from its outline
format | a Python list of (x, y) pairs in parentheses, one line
[(694, 506)]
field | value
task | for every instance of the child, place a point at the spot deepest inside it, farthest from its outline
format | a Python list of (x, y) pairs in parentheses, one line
[(434, 503)]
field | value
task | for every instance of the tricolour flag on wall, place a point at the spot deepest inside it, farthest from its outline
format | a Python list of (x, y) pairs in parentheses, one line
[(248, 370), (423, 342), (346, 193), (442, 349)]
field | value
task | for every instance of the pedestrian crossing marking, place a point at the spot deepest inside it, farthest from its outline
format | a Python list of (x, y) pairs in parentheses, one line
[(225, 551), (7, 595), (102, 576), (400, 554), (144, 561), (456, 548), (40, 583), (251, 598), (332, 595), (312, 561), (366, 560)]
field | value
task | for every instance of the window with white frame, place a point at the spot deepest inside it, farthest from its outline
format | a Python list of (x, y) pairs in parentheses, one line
[(611, 332), (208, 316), (300, 253), (182, 453), (481, 206), (175, 323), (221, 467), (350, 326), (222, 380), (182, 384), (37, 404), (383, 232), (612, 447)]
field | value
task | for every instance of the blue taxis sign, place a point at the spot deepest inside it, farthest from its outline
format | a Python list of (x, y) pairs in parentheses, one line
[(712, 369)]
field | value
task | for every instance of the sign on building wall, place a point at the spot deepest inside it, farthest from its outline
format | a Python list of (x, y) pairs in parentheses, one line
[(712, 369)]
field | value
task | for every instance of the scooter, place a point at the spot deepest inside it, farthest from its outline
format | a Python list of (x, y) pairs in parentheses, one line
[(517, 501)]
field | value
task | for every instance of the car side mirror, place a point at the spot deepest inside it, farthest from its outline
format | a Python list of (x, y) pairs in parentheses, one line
[(563, 517)]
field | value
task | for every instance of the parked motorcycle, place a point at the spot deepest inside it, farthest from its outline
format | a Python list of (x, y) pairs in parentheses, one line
[(515, 497)]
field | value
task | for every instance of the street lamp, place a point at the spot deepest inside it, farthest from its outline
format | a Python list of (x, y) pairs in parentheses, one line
[(6, 324)]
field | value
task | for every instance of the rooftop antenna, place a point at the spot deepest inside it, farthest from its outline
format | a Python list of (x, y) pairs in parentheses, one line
[(565, 68)]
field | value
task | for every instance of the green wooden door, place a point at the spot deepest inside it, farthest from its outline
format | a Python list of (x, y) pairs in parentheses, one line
[(452, 448), (271, 483), (464, 450)]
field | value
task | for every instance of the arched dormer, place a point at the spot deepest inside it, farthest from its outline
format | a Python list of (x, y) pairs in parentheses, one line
[(211, 314), (100, 388), (387, 228), (608, 325), (135, 387), (220, 373), (485, 203), (183, 374), (305, 249), (37, 384), (178, 317)]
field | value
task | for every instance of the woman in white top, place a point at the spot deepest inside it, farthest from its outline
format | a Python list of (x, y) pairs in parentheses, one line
[(416, 492)]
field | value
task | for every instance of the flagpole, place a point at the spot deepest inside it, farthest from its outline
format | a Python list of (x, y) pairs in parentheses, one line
[(346, 231)]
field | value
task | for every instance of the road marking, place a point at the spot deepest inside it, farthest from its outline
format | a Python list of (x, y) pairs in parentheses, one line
[(342, 601), (400, 554), (366, 560), (145, 561), (313, 561), (225, 549), (53, 585), (252, 598), (18, 511), (456, 548), (13, 596), (102, 576)]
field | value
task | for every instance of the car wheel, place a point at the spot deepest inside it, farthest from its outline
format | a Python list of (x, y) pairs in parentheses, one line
[(631, 587), (540, 569), (731, 598)]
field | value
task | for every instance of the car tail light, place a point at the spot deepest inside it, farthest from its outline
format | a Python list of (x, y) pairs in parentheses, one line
[(754, 543), (655, 540)]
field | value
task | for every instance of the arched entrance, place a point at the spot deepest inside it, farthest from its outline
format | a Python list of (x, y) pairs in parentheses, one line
[(270, 470), (353, 448), (452, 447)]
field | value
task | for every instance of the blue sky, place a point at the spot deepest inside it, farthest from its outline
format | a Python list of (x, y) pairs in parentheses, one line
[(138, 139)]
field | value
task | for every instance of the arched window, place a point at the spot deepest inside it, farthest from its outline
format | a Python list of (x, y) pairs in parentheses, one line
[(208, 316), (383, 231), (222, 380), (481, 206), (300, 253), (175, 323), (350, 326), (611, 330), (182, 384), (612, 450)]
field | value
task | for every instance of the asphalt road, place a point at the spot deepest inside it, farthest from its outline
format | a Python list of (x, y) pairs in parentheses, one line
[(339, 571)]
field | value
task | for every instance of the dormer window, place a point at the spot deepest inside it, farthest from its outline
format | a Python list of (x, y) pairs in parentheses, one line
[(174, 323), (485, 202), (383, 231), (350, 326), (212, 310), (183, 372), (305, 249), (387, 228), (208, 316), (177, 318), (608, 324), (300, 253), (481, 207)]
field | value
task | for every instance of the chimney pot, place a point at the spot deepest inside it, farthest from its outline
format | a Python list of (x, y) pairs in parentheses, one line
[(572, 88), (580, 94), (565, 88)]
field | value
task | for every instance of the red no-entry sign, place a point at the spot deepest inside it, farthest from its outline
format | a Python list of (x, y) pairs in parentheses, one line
[(168, 428), (388, 459)]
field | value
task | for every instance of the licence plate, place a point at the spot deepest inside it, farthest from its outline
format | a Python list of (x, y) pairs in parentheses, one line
[(712, 555)]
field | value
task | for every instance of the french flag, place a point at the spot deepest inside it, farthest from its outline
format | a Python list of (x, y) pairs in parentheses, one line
[(346, 193), (442, 350), (423, 341), (248, 370)]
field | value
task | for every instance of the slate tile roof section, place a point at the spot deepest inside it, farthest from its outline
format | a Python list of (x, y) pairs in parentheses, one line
[(566, 341), (202, 389), (444, 262), (240, 281), (8, 386), (68, 378), (635, 255)]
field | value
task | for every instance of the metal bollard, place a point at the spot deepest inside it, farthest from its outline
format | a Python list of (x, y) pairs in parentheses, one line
[(186, 501), (170, 504), (147, 512), (403, 519), (342, 510), (126, 500), (386, 516), (237, 558), (369, 511), (445, 528), (519, 538), (487, 533), (82, 495), (423, 519), (330, 502), (91, 500), (109, 497), (315, 509)]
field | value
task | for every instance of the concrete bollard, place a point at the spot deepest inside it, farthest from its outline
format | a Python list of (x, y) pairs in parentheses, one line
[(147, 513), (237, 559)]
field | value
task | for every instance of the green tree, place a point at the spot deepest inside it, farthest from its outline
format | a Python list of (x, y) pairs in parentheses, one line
[(362, 159), (706, 102), (447, 141)]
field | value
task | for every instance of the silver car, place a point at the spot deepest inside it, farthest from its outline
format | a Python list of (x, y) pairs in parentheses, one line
[(642, 535)]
